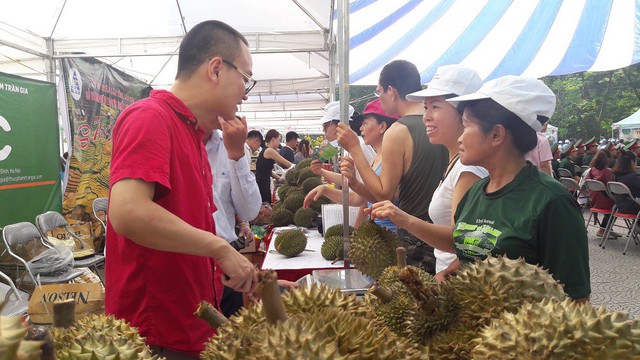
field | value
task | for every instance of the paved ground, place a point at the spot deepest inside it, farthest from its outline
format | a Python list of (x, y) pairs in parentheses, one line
[(615, 278)]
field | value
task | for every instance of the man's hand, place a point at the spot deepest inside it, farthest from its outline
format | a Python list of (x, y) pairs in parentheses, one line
[(348, 169), (313, 195), (239, 273), (234, 135), (316, 167), (347, 138)]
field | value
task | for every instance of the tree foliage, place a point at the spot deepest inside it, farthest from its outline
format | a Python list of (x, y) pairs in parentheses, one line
[(589, 102)]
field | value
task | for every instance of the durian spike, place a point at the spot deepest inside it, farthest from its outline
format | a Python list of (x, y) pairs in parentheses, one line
[(209, 314), (64, 313), (401, 257), (40, 333), (381, 293), (426, 297), (269, 291)]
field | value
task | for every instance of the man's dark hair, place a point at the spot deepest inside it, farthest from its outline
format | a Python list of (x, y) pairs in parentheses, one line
[(402, 76), (489, 114), (291, 135), (255, 134), (207, 40)]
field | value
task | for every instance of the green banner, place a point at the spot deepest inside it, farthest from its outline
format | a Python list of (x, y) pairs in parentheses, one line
[(29, 149)]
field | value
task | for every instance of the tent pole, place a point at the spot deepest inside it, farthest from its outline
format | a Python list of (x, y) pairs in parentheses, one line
[(51, 61), (343, 61)]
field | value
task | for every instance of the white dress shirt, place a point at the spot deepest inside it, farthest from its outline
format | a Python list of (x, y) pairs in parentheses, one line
[(235, 190)]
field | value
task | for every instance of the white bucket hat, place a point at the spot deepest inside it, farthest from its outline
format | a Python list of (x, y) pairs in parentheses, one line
[(526, 97), (449, 80), (332, 112)]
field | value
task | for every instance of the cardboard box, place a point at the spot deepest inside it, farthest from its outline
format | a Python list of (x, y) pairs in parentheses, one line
[(89, 300)]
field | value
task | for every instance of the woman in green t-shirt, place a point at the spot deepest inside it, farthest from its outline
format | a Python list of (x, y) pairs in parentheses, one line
[(517, 211)]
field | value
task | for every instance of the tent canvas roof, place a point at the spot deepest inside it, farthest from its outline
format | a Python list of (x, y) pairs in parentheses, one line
[(632, 120), (293, 42)]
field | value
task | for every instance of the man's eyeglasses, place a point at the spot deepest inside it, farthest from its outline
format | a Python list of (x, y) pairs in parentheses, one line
[(378, 91), (249, 83)]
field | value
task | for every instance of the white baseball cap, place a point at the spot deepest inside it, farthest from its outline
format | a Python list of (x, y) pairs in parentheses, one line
[(449, 79), (332, 112), (524, 96)]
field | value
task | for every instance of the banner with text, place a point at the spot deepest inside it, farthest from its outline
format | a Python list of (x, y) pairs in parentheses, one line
[(96, 93), (29, 149)]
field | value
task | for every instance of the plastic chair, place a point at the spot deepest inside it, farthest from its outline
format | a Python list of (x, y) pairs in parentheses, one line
[(619, 189), (596, 185), (21, 234), (562, 172), (52, 220), (16, 301), (100, 205)]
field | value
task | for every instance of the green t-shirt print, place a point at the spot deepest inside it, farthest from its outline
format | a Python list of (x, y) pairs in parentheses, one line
[(476, 241)]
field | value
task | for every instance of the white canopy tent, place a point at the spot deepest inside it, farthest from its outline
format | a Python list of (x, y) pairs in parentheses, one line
[(628, 127), (294, 41)]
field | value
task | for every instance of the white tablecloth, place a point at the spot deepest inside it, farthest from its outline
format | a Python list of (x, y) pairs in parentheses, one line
[(306, 260)]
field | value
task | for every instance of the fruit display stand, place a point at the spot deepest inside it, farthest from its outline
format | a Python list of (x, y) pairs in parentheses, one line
[(296, 267)]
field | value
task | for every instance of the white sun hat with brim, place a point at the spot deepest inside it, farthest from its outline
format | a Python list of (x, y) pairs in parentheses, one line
[(332, 112), (526, 97), (449, 80)]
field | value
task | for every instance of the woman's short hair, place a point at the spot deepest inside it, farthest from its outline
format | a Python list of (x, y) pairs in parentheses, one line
[(273, 133), (489, 114), (625, 161), (600, 160)]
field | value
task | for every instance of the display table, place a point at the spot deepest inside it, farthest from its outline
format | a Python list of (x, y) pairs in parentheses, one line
[(296, 267)]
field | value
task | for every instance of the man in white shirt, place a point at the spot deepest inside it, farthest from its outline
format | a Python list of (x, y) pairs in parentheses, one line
[(235, 191), (253, 143)]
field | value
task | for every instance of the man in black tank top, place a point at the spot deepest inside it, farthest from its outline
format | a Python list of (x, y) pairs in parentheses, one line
[(411, 165)]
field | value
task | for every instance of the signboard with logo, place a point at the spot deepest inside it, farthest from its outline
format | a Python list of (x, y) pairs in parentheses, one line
[(29, 156), (97, 93)]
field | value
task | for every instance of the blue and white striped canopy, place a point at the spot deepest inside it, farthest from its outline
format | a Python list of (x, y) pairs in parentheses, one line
[(496, 37)]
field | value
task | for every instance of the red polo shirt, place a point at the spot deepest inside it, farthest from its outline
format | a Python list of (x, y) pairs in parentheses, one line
[(157, 140)]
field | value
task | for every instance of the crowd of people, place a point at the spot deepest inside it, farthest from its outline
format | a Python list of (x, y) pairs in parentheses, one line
[(459, 170)]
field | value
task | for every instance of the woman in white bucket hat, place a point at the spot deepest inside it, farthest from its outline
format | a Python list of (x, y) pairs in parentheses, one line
[(516, 211)]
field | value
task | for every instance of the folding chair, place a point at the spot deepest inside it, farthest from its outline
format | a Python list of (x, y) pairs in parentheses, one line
[(574, 188), (584, 168), (562, 172), (577, 169), (100, 206), (52, 220), (618, 189), (596, 185), (20, 237), (16, 301)]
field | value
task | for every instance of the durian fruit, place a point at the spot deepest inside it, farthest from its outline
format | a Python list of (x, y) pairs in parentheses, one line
[(372, 248), (305, 329), (291, 242), (436, 308), (281, 217), (336, 230), (317, 204), (100, 337), (294, 201), (483, 291), (282, 191), (303, 217), (310, 184), (305, 174), (292, 177), (390, 299), (12, 342), (333, 248), (559, 329), (487, 288), (304, 164)]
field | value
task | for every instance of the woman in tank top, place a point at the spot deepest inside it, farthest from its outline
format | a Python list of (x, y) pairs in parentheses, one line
[(264, 165)]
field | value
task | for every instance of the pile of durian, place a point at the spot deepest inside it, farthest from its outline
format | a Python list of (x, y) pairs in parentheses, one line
[(288, 210), (494, 309)]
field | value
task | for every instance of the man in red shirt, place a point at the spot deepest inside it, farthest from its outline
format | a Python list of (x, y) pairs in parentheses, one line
[(163, 257)]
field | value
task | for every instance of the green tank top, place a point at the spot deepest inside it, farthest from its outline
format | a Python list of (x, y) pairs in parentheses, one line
[(428, 164)]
